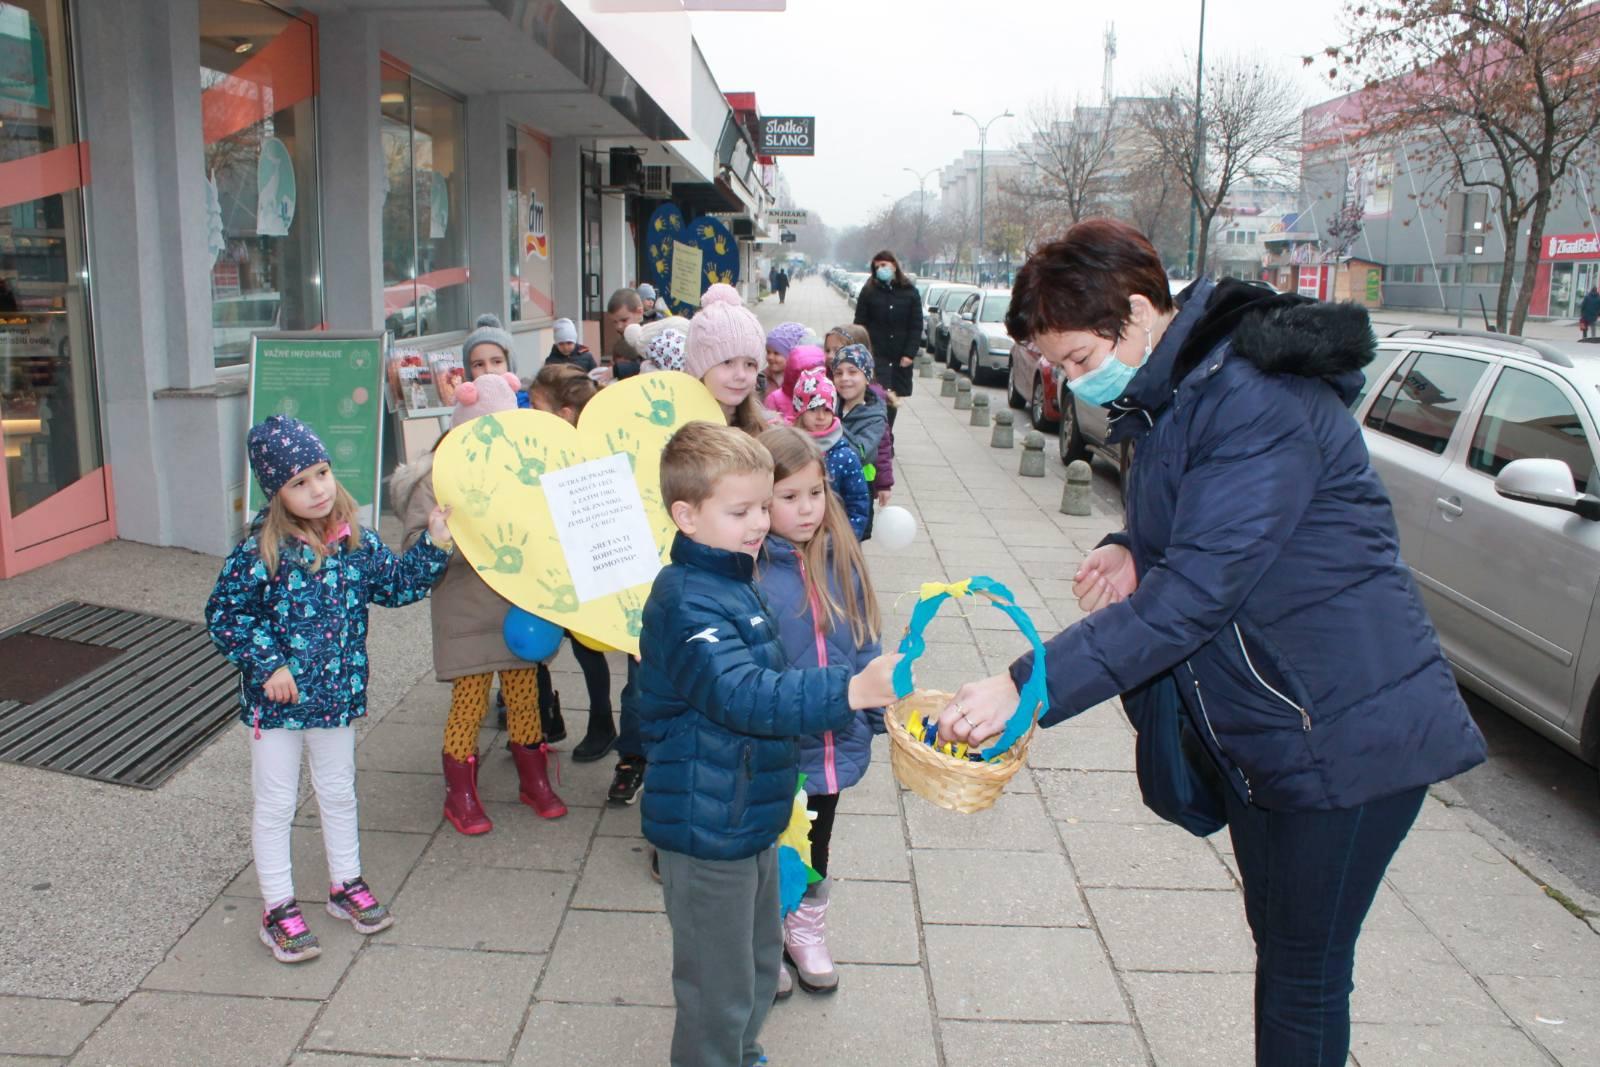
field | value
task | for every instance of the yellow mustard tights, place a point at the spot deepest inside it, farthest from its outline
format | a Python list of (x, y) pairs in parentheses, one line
[(469, 703)]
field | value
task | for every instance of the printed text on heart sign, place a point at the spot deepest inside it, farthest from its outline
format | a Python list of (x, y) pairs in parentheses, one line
[(600, 519)]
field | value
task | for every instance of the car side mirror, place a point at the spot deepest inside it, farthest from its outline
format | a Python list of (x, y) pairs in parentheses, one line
[(1547, 483), (967, 316)]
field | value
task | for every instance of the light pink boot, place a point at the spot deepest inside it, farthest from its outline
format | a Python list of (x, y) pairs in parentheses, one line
[(805, 941)]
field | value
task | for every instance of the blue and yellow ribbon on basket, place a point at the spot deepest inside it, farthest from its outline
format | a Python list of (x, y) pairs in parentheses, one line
[(1034, 694)]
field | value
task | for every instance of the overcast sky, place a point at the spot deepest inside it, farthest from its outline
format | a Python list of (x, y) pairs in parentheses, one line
[(882, 76)]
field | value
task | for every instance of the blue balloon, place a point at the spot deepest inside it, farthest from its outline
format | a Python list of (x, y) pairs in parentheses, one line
[(529, 637)]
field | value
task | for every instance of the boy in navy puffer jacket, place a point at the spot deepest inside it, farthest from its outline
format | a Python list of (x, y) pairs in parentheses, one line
[(719, 713)]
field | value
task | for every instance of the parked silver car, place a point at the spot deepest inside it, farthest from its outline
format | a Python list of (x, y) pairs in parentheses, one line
[(930, 310), (943, 314), (978, 337), (1486, 444)]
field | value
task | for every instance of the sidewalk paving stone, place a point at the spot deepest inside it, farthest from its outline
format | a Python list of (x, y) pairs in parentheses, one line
[(498, 909), (223, 953), (1526, 935), (1455, 1045), (1094, 796), (1141, 929), (390, 800), (880, 1015), (520, 838), (403, 1000), (611, 957), (36, 1026), (558, 1034), (1455, 861), (1558, 1012), (873, 922), (616, 877), (1016, 822), (869, 848), (1103, 748), (1030, 975), (1135, 856), (996, 888), (1031, 1044), (1199, 1020), (1409, 977), (172, 1028)]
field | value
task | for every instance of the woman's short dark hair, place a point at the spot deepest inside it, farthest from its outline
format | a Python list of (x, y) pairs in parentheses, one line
[(1082, 281), (888, 256)]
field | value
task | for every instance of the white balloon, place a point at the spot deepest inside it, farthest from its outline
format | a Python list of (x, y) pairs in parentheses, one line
[(894, 528)]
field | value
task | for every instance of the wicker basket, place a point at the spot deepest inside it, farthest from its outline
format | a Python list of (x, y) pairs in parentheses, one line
[(957, 784)]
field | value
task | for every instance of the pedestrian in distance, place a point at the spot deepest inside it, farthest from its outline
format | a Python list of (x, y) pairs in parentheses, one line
[(566, 348), (816, 403), (780, 282), (652, 309), (891, 310), (1589, 312), (290, 611), (1257, 602), (814, 578), (469, 646), (720, 710)]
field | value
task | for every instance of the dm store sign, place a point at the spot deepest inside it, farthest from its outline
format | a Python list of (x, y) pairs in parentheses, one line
[(788, 136)]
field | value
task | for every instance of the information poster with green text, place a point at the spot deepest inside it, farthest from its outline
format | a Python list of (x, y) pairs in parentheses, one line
[(333, 382)]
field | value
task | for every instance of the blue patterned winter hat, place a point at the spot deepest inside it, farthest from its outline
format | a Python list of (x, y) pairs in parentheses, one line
[(857, 356), (280, 448)]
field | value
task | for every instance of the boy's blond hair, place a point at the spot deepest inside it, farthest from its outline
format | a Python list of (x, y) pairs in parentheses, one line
[(701, 454)]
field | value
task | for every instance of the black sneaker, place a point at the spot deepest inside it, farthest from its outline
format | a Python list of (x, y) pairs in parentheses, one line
[(626, 781), (500, 707)]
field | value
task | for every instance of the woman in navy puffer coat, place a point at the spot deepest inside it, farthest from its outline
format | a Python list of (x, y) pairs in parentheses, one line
[(1260, 571)]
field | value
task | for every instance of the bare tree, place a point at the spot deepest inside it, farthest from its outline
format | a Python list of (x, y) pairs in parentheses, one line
[(1500, 94), (1066, 152), (1251, 115)]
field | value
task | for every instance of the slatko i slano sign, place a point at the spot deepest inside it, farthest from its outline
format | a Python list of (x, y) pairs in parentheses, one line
[(788, 135)]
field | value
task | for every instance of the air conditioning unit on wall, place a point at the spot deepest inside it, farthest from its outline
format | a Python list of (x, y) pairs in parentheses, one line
[(658, 181)]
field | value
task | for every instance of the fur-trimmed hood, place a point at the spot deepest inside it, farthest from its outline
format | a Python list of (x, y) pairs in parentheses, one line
[(1282, 333), (405, 479)]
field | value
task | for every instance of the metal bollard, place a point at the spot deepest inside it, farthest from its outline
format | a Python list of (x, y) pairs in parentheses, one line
[(947, 383), (924, 366), (980, 410), (1032, 455), (1002, 436), (1076, 497), (963, 394)]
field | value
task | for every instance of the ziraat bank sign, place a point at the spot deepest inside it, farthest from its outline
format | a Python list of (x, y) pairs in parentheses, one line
[(1572, 246), (787, 135)]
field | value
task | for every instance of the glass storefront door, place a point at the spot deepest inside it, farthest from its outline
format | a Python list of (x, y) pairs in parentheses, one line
[(54, 494)]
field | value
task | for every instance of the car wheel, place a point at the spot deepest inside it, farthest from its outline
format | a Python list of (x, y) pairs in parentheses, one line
[(1072, 446), (974, 371), (1036, 408), (1013, 398)]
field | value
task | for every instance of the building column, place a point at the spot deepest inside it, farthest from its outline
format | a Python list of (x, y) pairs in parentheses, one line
[(488, 236), (564, 224), (350, 144)]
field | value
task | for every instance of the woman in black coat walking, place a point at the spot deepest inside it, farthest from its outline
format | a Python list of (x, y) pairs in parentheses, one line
[(891, 311)]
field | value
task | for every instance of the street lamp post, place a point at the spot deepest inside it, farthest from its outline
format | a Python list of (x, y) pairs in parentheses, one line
[(922, 208), (983, 140), (1199, 138)]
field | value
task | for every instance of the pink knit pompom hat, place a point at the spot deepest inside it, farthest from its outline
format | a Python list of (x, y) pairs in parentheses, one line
[(484, 396), (721, 330)]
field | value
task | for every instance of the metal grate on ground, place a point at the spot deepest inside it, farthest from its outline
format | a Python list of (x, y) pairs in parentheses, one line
[(133, 721)]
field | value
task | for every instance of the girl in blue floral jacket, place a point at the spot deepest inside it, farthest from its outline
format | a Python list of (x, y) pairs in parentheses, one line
[(290, 610)]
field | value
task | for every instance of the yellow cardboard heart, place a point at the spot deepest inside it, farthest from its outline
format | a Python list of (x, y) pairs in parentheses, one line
[(489, 470)]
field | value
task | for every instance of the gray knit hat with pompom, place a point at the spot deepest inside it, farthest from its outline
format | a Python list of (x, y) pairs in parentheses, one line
[(487, 330)]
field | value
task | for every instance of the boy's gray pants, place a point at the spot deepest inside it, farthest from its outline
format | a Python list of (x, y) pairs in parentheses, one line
[(727, 946)]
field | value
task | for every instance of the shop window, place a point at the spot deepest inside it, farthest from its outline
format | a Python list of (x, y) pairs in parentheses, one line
[(528, 206), (49, 421), (424, 207), (263, 223)]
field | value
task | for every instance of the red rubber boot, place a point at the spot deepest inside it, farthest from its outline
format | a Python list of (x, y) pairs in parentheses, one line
[(533, 772), (461, 805)]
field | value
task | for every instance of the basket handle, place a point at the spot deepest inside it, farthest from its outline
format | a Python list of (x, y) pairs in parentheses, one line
[(1034, 693)]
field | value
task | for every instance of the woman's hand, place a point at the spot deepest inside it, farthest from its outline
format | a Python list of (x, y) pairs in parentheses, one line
[(1106, 577), (979, 710), (438, 526), (883, 497), (280, 687), (906, 361)]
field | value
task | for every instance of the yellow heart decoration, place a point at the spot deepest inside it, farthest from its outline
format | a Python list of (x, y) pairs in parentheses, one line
[(488, 471)]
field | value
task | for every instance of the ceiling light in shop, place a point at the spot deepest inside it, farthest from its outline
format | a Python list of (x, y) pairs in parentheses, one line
[(469, 38), (392, 98), (242, 47)]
